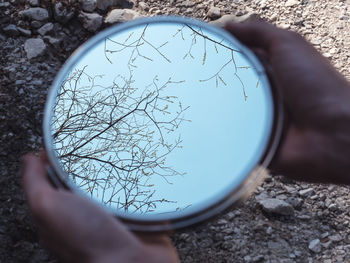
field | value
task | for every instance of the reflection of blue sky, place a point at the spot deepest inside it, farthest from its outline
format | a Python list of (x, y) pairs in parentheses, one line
[(227, 132)]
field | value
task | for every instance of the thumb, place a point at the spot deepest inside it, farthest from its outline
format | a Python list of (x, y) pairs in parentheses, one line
[(35, 179)]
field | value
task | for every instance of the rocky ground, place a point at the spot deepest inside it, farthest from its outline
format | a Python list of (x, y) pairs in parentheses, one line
[(283, 221)]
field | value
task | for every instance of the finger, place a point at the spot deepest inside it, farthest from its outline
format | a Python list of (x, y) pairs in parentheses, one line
[(156, 239), (258, 34), (160, 245), (35, 179)]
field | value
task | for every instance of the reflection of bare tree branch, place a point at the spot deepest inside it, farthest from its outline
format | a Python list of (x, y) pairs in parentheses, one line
[(200, 33), (218, 78), (135, 44), (141, 40), (113, 140), (235, 73)]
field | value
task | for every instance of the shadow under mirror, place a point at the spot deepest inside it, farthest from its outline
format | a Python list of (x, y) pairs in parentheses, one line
[(163, 118)]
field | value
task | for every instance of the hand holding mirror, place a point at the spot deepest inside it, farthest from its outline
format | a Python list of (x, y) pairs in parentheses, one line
[(164, 121)]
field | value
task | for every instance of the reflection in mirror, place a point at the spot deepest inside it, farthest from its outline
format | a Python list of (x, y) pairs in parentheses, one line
[(160, 118)]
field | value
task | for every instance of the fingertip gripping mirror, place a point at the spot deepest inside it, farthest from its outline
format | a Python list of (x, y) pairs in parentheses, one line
[(164, 121)]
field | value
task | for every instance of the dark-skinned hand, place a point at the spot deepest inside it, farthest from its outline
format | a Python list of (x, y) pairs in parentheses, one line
[(77, 230), (316, 97)]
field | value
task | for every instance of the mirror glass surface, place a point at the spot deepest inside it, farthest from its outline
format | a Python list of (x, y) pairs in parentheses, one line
[(162, 118)]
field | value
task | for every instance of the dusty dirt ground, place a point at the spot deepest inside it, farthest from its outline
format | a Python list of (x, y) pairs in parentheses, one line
[(318, 230)]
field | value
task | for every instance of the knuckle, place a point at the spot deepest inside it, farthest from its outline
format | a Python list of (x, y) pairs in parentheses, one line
[(286, 38), (293, 36)]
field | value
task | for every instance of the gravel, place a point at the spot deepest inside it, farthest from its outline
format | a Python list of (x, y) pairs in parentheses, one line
[(30, 59), (63, 13), (88, 5)]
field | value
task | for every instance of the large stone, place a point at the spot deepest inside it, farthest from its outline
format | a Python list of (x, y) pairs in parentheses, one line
[(34, 47), (63, 14), (214, 12), (35, 13), (221, 22), (291, 3), (88, 5), (276, 206), (121, 15), (91, 22)]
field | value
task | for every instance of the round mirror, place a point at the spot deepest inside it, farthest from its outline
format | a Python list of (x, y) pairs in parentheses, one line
[(163, 121)]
